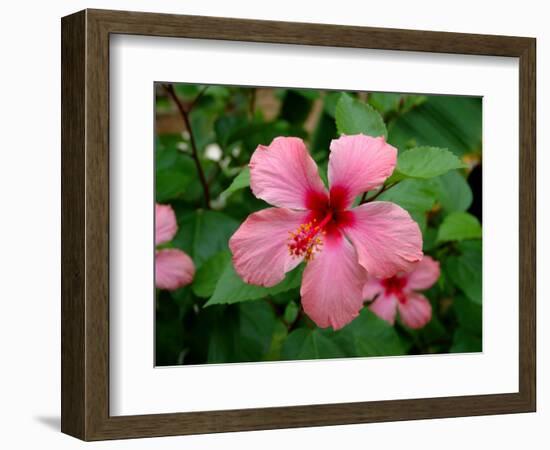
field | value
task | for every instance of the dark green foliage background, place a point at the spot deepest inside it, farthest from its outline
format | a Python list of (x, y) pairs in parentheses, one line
[(247, 323)]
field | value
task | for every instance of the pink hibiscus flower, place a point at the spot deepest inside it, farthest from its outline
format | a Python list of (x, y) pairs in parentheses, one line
[(173, 267), (340, 243), (398, 294)]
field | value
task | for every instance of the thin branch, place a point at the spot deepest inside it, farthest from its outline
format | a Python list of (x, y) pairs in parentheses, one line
[(384, 189), (194, 151), (197, 98)]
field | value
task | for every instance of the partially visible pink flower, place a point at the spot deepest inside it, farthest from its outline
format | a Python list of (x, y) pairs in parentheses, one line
[(339, 243), (173, 267), (398, 293)]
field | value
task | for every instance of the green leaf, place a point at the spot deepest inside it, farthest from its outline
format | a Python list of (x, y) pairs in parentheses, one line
[(174, 170), (304, 343), (183, 297), (202, 123), (209, 273), (429, 239), (468, 335), (170, 184), (310, 94), (458, 226), (221, 92), (416, 196), (354, 117), (187, 91), (291, 312), (257, 326), (425, 162), (237, 333), (241, 181), (421, 218), (469, 315), (329, 103), (410, 101), (232, 289), (277, 340), (394, 105), (204, 233), (464, 342), (411, 194), (446, 121), (453, 192), (431, 335), (465, 270), (384, 102), (222, 334), (226, 126), (168, 333), (368, 335)]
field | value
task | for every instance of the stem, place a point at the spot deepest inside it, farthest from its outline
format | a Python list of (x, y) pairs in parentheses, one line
[(194, 151), (197, 98), (384, 189)]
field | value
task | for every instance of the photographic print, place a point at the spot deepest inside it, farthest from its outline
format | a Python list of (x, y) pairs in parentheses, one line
[(296, 224)]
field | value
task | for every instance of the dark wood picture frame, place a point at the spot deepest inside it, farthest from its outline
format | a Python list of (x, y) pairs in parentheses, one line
[(85, 224)]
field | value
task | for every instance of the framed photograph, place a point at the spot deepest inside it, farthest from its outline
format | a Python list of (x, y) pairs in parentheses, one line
[(272, 225)]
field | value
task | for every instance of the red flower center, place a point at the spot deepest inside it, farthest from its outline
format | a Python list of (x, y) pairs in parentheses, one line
[(328, 215), (394, 286)]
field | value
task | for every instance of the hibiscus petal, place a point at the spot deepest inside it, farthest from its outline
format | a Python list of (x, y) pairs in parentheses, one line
[(424, 275), (284, 174), (385, 307), (173, 269), (372, 288), (387, 240), (165, 224), (260, 245), (415, 311), (332, 284), (358, 164)]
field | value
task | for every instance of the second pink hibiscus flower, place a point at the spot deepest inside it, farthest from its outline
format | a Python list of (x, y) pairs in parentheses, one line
[(398, 293), (341, 244), (173, 267)]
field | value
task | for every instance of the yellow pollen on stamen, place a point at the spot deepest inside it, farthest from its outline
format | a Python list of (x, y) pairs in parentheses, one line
[(305, 241)]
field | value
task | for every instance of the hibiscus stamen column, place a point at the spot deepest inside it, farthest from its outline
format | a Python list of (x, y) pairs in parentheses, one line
[(305, 241)]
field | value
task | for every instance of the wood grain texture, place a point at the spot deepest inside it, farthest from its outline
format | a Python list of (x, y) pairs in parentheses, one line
[(85, 224), (527, 224), (73, 269)]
